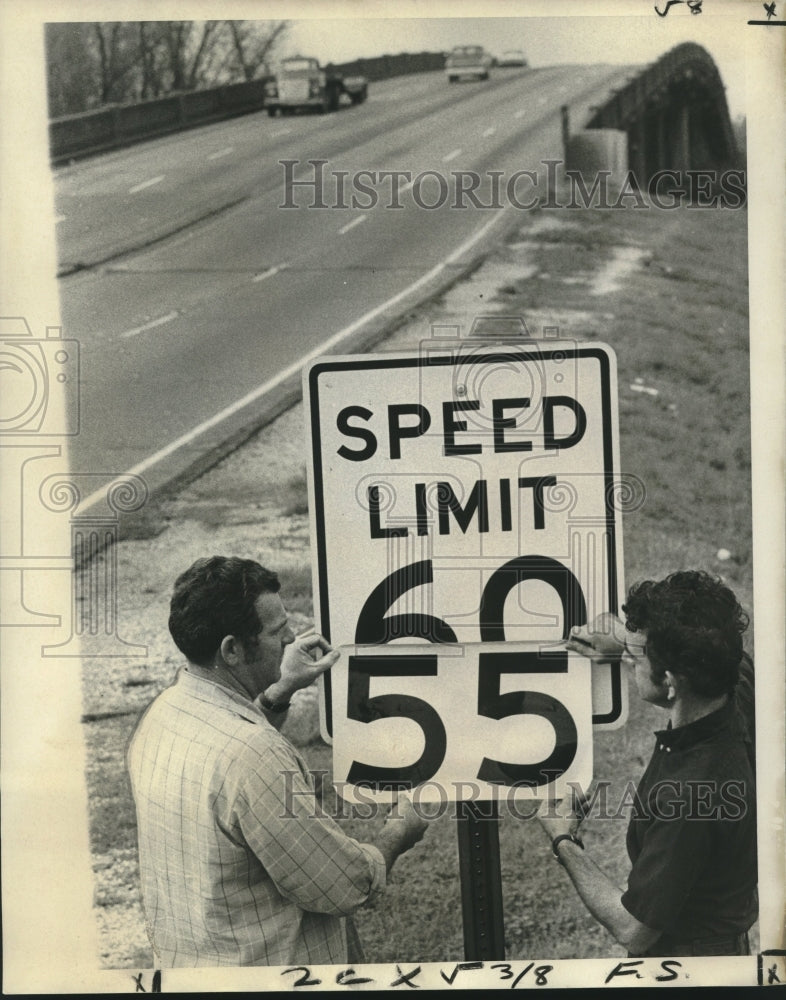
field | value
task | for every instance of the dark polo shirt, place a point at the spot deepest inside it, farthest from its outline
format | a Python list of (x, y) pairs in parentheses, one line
[(692, 835)]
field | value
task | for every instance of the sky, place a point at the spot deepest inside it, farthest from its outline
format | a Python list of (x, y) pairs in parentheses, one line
[(635, 40)]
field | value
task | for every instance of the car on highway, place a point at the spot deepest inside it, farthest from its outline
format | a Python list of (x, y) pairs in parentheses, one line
[(468, 61), (512, 57)]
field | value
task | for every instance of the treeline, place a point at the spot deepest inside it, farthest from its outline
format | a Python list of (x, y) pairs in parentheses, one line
[(92, 64)]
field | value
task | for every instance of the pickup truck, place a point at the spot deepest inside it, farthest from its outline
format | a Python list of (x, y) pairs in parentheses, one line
[(301, 83)]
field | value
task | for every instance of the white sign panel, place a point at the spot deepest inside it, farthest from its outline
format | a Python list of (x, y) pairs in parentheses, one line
[(482, 720), (461, 495)]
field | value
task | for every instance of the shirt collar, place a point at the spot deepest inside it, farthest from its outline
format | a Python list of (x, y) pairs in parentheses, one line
[(216, 694), (697, 731)]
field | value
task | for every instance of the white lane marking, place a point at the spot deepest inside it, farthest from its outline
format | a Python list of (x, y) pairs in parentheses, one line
[(408, 185), (153, 323), (488, 132), (351, 225), (60, 218), (521, 113), (146, 184), (270, 272), (322, 348), (281, 131), (451, 155), (467, 244), (221, 152)]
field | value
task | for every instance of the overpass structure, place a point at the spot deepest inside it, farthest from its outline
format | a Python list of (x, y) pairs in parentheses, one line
[(675, 115)]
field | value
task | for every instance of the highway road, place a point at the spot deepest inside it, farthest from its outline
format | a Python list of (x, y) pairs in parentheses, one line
[(195, 295)]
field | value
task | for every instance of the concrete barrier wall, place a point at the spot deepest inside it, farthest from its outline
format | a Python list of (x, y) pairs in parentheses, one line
[(76, 133), (386, 67), (119, 125)]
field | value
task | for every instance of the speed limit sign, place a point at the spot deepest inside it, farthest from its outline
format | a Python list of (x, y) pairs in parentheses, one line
[(464, 517)]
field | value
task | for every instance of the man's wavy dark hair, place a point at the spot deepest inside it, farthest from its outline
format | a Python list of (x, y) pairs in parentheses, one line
[(215, 597), (694, 627)]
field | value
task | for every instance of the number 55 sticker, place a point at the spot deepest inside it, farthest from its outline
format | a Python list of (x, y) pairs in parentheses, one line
[(511, 721)]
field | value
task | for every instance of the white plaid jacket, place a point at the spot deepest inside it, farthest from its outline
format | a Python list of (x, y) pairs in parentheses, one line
[(238, 863)]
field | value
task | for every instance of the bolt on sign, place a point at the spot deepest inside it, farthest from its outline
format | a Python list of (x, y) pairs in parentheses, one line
[(465, 515)]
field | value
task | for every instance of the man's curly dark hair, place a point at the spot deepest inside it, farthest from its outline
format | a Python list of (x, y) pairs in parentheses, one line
[(694, 627), (216, 597)]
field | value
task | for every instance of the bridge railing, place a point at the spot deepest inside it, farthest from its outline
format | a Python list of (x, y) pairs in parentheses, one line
[(687, 65)]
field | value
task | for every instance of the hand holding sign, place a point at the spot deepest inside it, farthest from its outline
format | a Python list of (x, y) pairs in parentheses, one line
[(304, 660), (603, 639), (559, 817)]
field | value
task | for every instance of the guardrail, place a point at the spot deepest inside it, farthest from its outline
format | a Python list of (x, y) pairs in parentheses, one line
[(120, 125)]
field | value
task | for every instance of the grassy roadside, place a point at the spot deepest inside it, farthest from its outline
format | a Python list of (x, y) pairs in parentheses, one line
[(668, 291)]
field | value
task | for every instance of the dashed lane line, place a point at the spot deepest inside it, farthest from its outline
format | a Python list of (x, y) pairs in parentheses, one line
[(352, 224), (221, 152), (323, 348), (146, 184), (451, 155), (153, 323), (264, 275)]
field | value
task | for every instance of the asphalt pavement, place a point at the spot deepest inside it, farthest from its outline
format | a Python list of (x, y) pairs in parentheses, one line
[(196, 297)]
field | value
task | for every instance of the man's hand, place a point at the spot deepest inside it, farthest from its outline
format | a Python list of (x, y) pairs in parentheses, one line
[(558, 817), (409, 824), (402, 830), (305, 659), (602, 639)]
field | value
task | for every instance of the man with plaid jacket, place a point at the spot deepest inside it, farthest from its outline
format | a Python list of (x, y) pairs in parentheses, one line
[(239, 865)]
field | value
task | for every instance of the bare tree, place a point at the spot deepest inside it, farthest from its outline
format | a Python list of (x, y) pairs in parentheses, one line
[(70, 77), (254, 42), (94, 63), (190, 45), (152, 60), (117, 59)]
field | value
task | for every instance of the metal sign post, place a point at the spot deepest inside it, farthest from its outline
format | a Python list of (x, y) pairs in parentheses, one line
[(481, 880)]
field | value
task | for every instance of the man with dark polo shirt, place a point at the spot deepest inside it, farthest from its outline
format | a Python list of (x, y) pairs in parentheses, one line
[(692, 836)]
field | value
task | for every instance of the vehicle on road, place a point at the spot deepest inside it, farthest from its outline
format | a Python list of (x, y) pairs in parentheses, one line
[(512, 57), (300, 84), (468, 61)]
